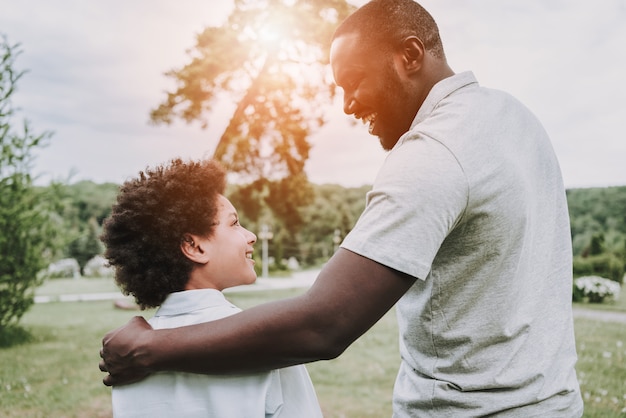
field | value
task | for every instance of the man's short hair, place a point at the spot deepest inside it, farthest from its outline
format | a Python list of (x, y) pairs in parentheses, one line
[(384, 24)]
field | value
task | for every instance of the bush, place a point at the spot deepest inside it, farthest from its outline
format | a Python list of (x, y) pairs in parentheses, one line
[(604, 265), (13, 335), (61, 269), (595, 289), (98, 267)]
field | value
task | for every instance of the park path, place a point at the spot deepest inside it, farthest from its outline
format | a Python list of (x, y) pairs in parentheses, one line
[(301, 279)]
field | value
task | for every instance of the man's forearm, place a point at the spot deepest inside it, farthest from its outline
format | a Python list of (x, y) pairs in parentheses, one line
[(265, 337), (349, 296)]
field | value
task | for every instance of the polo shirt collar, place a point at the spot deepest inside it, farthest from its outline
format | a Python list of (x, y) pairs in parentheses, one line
[(440, 91), (179, 303)]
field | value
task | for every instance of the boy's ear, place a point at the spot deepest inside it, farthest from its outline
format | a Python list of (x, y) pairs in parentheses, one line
[(193, 247)]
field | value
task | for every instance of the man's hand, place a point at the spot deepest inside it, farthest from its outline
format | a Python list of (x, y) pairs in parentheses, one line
[(120, 353)]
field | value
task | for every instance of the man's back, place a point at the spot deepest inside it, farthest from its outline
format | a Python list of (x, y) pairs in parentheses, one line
[(483, 216)]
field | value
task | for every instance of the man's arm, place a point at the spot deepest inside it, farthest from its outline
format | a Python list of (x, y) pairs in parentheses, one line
[(350, 295)]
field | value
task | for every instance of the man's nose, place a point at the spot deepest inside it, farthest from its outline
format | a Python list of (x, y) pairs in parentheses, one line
[(348, 105)]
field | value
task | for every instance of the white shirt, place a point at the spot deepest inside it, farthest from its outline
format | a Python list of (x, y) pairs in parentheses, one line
[(285, 393)]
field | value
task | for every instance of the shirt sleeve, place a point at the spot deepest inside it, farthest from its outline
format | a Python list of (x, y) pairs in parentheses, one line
[(418, 197)]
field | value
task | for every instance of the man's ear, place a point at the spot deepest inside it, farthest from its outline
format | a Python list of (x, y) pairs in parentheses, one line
[(413, 52), (194, 248)]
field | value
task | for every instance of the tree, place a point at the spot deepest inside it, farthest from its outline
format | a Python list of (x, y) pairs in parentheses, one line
[(271, 58), (24, 230), (86, 245), (598, 220), (335, 210), (596, 246)]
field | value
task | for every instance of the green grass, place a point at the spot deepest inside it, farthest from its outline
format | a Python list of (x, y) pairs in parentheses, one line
[(56, 374), (56, 287), (602, 367)]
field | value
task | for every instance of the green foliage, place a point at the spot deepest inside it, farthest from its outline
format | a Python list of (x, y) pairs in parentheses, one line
[(24, 213), (333, 208), (304, 217), (304, 230), (79, 211), (87, 245), (606, 265), (595, 212), (308, 219), (14, 335), (598, 221), (330, 208), (85, 200)]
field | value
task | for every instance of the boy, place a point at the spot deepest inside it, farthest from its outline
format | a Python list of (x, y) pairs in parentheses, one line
[(175, 242)]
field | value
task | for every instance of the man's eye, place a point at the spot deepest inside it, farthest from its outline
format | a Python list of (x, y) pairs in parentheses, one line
[(353, 83)]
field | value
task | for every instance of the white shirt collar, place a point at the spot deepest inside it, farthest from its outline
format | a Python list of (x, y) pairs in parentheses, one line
[(178, 303)]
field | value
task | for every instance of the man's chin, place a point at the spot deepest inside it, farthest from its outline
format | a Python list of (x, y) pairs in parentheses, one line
[(387, 143)]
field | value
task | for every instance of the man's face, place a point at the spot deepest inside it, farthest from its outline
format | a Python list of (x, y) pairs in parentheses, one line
[(374, 90)]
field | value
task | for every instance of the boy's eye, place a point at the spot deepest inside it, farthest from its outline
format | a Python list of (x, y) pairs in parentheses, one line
[(236, 222)]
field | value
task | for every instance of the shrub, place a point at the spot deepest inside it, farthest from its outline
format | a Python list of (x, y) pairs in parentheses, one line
[(98, 267), (604, 265), (61, 269), (595, 289), (24, 227)]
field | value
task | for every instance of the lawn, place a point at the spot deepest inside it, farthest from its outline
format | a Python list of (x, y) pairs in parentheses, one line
[(56, 287), (56, 375)]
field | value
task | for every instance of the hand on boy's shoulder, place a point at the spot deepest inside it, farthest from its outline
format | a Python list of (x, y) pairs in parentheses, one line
[(120, 353)]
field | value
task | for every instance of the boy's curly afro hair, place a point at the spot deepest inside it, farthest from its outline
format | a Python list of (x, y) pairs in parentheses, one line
[(147, 223)]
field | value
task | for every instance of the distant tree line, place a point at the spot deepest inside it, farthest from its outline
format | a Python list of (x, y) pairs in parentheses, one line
[(310, 233), (598, 222), (79, 211)]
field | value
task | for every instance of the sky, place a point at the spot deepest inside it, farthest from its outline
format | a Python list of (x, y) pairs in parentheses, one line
[(95, 70)]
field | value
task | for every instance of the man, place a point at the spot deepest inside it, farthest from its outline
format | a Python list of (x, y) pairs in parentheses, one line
[(466, 228)]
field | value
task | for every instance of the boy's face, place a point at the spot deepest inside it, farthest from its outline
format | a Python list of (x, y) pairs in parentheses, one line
[(229, 250)]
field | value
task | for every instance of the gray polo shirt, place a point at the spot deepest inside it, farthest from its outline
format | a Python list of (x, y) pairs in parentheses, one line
[(471, 202)]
